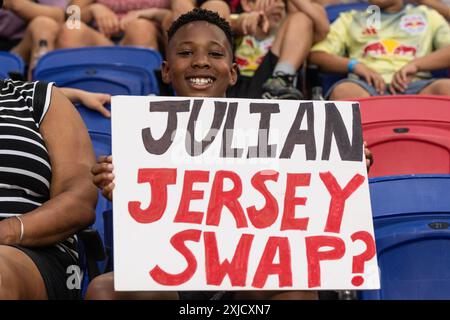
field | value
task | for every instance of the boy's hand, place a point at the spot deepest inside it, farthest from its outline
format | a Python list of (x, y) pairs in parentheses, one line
[(96, 102), (262, 5), (369, 156), (372, 77), (254, 21), (104, 176), (107, 21), (402, 77)]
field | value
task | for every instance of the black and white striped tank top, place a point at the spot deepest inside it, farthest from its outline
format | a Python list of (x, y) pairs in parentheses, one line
[(25, 168)]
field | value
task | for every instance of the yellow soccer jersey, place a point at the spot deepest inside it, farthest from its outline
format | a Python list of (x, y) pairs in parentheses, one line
[(401, 37)]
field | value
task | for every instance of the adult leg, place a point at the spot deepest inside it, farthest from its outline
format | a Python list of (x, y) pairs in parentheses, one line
[(81, 37), (102, 288), (438, 87), (142, 33), (40, 28), (19, 276), (348, 90)]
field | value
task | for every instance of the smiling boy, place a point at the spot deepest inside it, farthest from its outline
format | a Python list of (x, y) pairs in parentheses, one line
[(199, 64)]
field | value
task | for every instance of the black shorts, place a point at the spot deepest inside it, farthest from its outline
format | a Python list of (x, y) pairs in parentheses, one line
[(53, 264), (7, 44), (251, 87)]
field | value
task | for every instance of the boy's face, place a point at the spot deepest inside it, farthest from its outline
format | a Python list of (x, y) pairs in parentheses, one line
[(199, 61)]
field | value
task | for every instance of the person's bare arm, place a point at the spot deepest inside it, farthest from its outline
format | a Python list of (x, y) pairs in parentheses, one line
[(157, 15), (436, 60), (73, 196), (333, 63), (329, 62), (28, 10), (91, 100), (318, 16)]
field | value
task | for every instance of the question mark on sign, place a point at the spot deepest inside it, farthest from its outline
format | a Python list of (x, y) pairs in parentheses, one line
[(360, 260)]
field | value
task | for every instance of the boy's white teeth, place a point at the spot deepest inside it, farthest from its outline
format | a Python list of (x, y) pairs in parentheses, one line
[(201, 81)]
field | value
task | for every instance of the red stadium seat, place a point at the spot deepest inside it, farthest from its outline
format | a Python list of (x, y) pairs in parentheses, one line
[(407, 134)]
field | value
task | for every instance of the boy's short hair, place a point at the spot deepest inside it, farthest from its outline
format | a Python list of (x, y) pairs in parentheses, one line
[(198, 14)]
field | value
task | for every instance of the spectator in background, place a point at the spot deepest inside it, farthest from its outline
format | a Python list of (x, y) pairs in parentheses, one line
[(372, 55), (270, 51), (102, 24), (25, 24), (439, 59), (222, 7)]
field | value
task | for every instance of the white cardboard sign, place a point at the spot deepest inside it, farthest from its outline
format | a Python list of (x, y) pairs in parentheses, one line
[(239, 194)]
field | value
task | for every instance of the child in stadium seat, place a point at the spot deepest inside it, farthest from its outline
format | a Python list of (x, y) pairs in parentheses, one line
[(200, 46), (372, 54), (24, 25), (270, 51), (105, 22)]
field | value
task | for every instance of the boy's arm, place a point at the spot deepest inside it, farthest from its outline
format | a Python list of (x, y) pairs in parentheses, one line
[(28, 10), (155, 14), (329, 62), (317, 14), (333, 63), (434, 61)]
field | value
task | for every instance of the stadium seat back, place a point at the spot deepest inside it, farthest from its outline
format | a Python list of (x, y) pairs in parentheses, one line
[(407, 134), (100, 78), (411, 220), (10, 64), (123, 58), (102, 146)]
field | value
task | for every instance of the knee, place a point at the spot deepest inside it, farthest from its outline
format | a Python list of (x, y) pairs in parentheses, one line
[(101, 288), (70, 37), (44, 24), (141, 27), (348, 90), (441, 87)]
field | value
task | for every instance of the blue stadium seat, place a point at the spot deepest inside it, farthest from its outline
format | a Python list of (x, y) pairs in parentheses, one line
[(117, 70), (411, 218), (102, 146), (10, 63), (94, 121)]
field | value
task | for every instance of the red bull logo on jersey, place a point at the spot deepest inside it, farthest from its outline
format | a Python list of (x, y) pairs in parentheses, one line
[(388, 47), (413, 23)]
